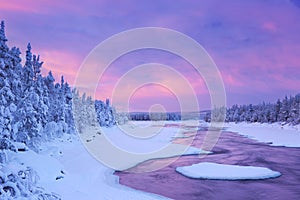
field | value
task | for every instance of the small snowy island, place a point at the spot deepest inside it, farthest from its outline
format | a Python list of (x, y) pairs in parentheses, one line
[(208, 170)]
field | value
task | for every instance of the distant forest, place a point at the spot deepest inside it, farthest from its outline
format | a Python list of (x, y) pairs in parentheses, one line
[(286, 110), (145, 116)]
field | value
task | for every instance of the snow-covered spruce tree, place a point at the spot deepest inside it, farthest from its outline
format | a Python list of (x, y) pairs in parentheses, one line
[(27, 71), (10, 69), (105, 113), (218, 114), (69, 119), (121, 117), (31, 109), (296, 108), (3, 46), (284, 110), (49, 82), (10, 84), (84, 112), (89, 113)]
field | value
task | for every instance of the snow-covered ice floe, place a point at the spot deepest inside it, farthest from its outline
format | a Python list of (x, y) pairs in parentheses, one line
[(275, 134), (208, 170)]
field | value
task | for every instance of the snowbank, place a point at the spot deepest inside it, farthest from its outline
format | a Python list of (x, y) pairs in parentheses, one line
[(64, 167), (207, 170), (86, 178), (24, 172), (275, 134)]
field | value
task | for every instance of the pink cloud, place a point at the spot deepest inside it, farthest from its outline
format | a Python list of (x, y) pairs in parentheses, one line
[(270, 26), (31, 6), (14, 5), (60, 63), (231, 80)]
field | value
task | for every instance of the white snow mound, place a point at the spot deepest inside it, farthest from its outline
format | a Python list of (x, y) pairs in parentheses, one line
[(208, 170)]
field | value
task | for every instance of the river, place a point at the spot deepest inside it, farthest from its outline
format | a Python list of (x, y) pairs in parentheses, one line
[(231, 148)]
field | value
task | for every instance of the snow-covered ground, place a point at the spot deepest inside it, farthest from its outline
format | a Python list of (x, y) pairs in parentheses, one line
[(75, 174), (208, 170), (275, 134), (67, 169), (137, 142)]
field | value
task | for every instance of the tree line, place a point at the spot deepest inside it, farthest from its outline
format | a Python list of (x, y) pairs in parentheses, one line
[(286, 110)]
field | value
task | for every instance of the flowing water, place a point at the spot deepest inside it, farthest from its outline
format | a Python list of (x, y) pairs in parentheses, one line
[(230, 149)]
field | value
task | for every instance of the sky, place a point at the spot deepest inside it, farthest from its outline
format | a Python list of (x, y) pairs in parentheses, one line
[(254, 44)]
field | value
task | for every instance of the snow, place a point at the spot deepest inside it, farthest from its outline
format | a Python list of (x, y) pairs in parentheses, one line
[(39, 163), (275, 134), (142, 137), (67, 169), (208, 170), (86, 178), (135, 143)]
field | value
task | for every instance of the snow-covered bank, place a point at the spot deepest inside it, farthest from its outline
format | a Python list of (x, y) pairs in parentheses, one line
[(275, 134), (84, 177), (207, 170), (65, 167)]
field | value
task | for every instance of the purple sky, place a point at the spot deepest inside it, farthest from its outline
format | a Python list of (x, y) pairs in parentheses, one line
[(255, 44)]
